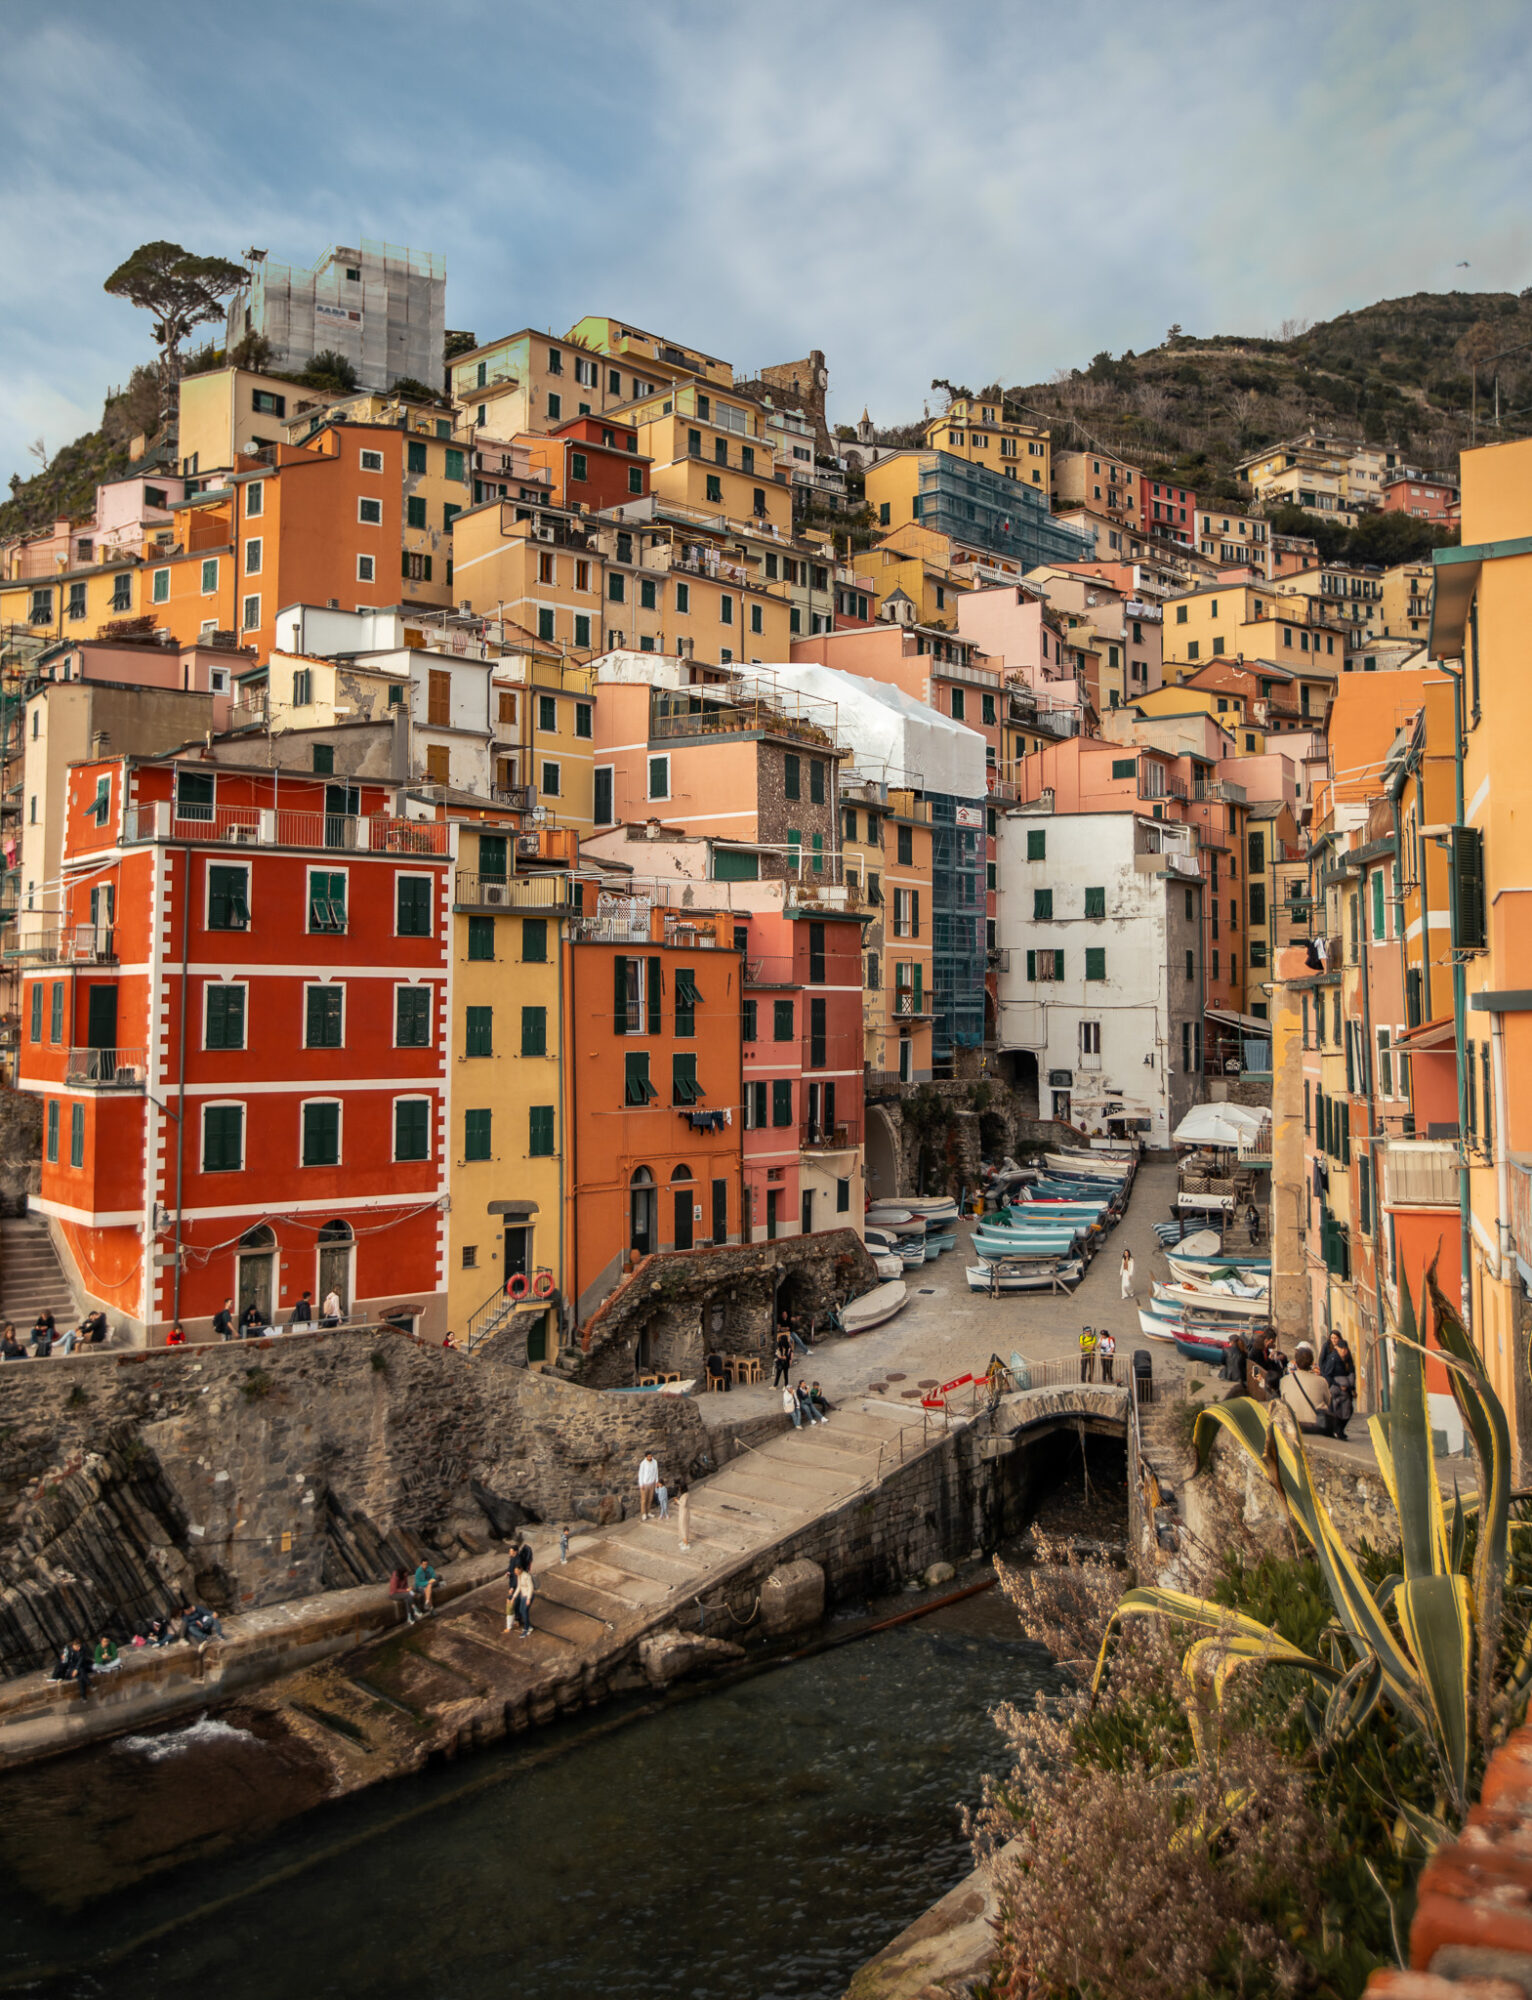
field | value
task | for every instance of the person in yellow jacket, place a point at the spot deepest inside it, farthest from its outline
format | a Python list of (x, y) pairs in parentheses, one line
[(1087, 1354)]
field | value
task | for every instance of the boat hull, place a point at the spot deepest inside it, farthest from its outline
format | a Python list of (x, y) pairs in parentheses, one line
[(874, 1307)]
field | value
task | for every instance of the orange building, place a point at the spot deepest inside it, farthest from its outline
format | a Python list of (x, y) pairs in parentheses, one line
[(653, 1087)]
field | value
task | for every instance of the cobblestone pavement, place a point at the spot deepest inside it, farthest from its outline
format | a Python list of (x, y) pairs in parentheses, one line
[(947, 1330)]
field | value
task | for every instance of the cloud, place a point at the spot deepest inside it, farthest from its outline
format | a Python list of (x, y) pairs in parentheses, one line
[(994, 188)]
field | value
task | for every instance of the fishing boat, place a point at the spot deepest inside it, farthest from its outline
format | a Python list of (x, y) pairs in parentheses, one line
[(879, 1239), (887, 1265), (912, 1252), (1217, 1301), (1154, 1328), (935, 1208), (1199, 1346), (1089, 1166), (939, 1240), (889, 1215), (1188, 1271), (1024, 1278), (874, 1307)]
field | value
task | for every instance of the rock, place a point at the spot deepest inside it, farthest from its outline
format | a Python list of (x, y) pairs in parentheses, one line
[(792, 1597), (939, 1573), (670, 1656)]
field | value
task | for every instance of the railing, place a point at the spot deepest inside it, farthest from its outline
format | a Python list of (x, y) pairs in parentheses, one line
[(1420, 1173), (718, 571), (67, 944), (1216, 791), (108, 1069), (912, 1006), (837, 1138), (692, 935), (258, 826), (1172, 786), (473, 890), (249, 714), (740, 716)]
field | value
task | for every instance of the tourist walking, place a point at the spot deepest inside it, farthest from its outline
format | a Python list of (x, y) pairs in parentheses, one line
[(684, 1516), (784, 1361), (1127, 1277), (223, 1320), (1337, 1364), (1088, 1354), (1253, 1222), (1106, 1350), (302, 1314), (648, 1479), (330, 1312), (522, 1601)]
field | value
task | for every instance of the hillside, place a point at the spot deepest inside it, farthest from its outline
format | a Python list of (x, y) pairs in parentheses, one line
[(1398, 372), (67, 486)]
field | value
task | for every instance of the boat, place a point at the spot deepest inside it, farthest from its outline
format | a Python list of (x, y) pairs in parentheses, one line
[(939, 1240), (1188, 1271), (1002, 1278), (1215, 1302), (879, 1239), (1156, 1329), (873, 1308), (1199, 1346), (658, 1388), (1093, 1166), (887, 1265), (888, 1215), (935, 1208), (912, 1253)]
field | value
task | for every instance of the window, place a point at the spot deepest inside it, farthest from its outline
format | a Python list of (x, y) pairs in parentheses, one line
[(37, 1011), (1090, 1038), (324, 759), (816, 782), (791, 782), (1042, 906), (250, 613), (53, 1129), (817, 1043), (99, 807), (370, 513), (726, 610), (228, 898), (583, 720), (476, 1135), (415, 511), (551, 780), (265, 404), (659, 777), (684, 1087), (77, 1135), (545, 623), (555, 407), (534, 1031), (714, 487), (782, 1100), (412, 1128), (579, 471), (372, 461), (324, 1017), (540, 1131), (905, 846), (122, 592), (534, 940), (223, 1138), (412, 1016), (757, 624), (957, 704), (782, 1020), (303, 687), (1095, 961), (683, 597), (1037, 844), (637, 1089), (687, 998), (455, 464), (1124, 767), (327, 900), (252, 566), (209, 585), (478, 1031), (582, 629), (412, 906), (223, 1020), (1045, 965)]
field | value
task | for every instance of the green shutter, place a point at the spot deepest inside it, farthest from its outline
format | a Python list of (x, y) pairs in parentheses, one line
[(476, 1135), (653, 965), (1124, 767), (321, 1135), (412, 1128), (1032, 965), (223, 1133), (534, 1031), (225, 1017), (687, 997), (1095, 962), (1095, 902), (77, 1135), (1037, 843), (534, 940), (479, 1031), (412, 1017), (481, 937), (683, 1079), (1468, 881), (637, 1089), (414, 906), (226, 899), (322, 1025), (540, 1131), (1377, 903), (782, 1020), (1042, 905), (620, 995), (782, 1100)]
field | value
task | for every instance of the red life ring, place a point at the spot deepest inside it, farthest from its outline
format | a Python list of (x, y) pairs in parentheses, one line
[(516, 1286), (542, 1285)]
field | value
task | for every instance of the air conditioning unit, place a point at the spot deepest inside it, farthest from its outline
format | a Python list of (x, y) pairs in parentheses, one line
[(545, 534), (245, 836), (528, 843), (496, 894)]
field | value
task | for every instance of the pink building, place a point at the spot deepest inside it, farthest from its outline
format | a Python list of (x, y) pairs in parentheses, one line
[(1427, 499), (132, 510)]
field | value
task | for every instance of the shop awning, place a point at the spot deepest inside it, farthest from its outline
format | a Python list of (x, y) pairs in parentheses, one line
[(1248, 1024), (1429, 1035)]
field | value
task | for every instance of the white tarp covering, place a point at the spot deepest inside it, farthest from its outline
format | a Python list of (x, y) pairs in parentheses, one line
[(894, 739), (1217, 1125)]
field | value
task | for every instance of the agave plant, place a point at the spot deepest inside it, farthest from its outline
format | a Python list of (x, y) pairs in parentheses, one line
[(1426, 1641)]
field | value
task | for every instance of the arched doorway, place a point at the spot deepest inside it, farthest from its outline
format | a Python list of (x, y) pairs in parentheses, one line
[(643, 1214), (685, 1195), (255, 1271), (337, 1248), (882, 1154)]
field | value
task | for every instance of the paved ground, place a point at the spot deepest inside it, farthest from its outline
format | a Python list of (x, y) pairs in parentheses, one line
[(947, 1330)]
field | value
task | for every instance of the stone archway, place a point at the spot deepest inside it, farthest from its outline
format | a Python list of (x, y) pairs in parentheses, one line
[(884, 1152)]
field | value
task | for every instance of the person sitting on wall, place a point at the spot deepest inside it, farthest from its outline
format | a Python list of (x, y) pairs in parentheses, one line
[(176, 1336), (253, 1325), (807, 1405), (94, 1329), (199, 1625), (819, 1399), (158, 1632), (104, 1656), (42, 1335), (11, 1348), (426, 1580), (399, 1592), (74, 1664)]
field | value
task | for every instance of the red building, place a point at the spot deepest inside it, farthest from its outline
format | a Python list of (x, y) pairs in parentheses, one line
[(590, 462), (1167, 509), (1427, 499), (237, 1032)]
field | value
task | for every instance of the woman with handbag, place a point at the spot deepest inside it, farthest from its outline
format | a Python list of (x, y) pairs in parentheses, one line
[(1337, 1364)]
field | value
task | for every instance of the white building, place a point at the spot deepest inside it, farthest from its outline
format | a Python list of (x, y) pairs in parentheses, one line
[(383, 307), (1100, 977)]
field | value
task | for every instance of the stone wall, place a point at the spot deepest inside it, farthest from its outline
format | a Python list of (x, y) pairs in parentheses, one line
[(21, 1150), (677, 1305), (261, 1471), (944, 1130)]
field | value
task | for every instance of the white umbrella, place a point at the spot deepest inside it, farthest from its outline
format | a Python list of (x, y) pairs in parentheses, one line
[(1216, 1125)]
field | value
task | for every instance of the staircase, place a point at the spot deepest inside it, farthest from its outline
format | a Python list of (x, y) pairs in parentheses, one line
[(31, 1278)]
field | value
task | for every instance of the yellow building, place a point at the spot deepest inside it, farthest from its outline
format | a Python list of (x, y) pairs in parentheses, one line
[(231, 410), (657, 357), (1482, 611), (1226, 536), (919, 563), (541, 570), (1348, 594), (506, 1131), (1098, 482), (711, 452), (975, 427), (546, 381), (77, 603), (1407, 600), (1254, 622)]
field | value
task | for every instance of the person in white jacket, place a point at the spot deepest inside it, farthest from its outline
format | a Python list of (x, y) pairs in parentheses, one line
[(1127, 1274)]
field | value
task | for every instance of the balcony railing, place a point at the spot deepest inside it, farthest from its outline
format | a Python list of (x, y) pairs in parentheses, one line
[(779, 716), (912, 1006), (66, 944), (475, 891), (1217, 791), (107, 1069), (1420, 1173), (258, 826), (837, 1138)]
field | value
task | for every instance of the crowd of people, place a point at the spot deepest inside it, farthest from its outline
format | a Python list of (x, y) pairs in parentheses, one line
[(81, 1661), (1321, 1396), (45, 1339)]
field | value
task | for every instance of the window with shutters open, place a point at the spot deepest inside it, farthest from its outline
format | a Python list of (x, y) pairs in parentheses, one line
[(684, 1087)]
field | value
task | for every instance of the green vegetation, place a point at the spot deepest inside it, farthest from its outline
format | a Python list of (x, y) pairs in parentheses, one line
[(1259, 1768)]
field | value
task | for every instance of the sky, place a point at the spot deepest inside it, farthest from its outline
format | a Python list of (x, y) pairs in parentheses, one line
[(975, 189)]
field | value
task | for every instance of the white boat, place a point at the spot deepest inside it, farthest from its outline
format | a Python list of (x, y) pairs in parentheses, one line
[(935, 1208), (1090, 1166), (1157, 1329), (1022, 1278), (1189, 1271), (939, 1239), (873, 1308), (889, 1214), (887, 1265), (1214, 1303), (879, 1239)]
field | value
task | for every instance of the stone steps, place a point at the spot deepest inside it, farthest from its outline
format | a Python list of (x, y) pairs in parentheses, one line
[(31, 1278)]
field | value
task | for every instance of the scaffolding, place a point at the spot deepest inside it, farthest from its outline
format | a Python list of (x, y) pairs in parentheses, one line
[(979, 507)]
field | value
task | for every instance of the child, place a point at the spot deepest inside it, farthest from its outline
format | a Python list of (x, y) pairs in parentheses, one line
[(662, 1498)]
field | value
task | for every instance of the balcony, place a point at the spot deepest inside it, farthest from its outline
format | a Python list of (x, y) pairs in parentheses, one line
[(107, 1069), (475, 891), (838, 1138), (1420, 1173), (1217, 791), (249, 712), (912, 1006), (800, 718), (66, 944), (255, 826), (1172, 786)]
